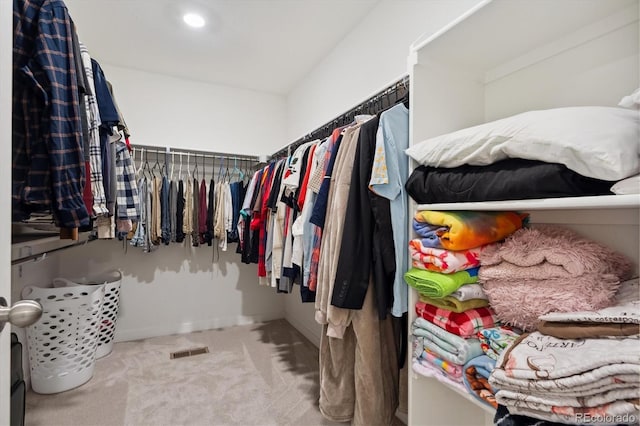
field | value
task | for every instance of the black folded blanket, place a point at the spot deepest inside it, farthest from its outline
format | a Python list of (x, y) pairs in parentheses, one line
[(511, 179)]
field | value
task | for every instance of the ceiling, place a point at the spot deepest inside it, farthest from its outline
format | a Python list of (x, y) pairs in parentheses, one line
[(265, 45)]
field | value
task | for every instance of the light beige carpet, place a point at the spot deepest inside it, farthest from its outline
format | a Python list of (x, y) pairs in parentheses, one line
[(262, 374)]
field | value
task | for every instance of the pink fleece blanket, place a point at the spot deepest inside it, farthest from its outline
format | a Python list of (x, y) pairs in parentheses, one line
[(549, 269), (548, 251), (519, 303)]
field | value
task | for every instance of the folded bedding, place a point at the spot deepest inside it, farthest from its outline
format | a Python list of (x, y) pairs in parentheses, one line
[(475, 377), (468, 292), (444, 344), (504, 418), (427, 370), (454, 305), (463, 230), (520, 399), (453, 370), (547, 252), (435, 284), (535, 356), (580, 330), (441, 260), (625, 309), (464, 324), (511, 179), (495, 340), (520, 302)]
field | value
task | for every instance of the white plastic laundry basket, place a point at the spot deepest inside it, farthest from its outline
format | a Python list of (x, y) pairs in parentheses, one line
[(109, 316), (62, 345)]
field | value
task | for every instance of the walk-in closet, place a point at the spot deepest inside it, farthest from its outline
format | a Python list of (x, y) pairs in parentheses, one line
[(320, 212)]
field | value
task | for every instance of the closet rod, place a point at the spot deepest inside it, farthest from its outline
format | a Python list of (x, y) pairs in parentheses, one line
[(399, 88), (159, 150), (44, 254)]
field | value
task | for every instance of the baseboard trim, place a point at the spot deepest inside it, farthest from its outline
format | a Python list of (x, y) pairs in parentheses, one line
[(313, 334), (189, 327)]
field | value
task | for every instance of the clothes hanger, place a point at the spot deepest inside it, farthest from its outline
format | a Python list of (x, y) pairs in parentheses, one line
[(195, 169), (227, 175), (237, 170), (180, 168)]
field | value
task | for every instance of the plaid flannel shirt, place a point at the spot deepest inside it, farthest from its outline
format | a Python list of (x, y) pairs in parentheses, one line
[(127, 201), (95, 154), (48, 156)]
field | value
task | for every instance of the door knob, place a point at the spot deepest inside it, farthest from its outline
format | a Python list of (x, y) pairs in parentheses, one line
[(22, 314)]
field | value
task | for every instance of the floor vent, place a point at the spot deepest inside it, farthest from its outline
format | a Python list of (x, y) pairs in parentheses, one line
[(189, 352)]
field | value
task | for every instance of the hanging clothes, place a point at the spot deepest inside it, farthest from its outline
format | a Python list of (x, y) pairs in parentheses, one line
[(127, 200), (42, 177), (390, 172), (94, 122), (188, 209), (173, 208), (165, 212), (367, 231), (209, 236), (156, 213), (180, 213), (337, 318), (195, 233), (202, 213)]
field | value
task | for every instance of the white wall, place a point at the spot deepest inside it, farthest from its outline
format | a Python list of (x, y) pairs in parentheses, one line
[(167, 111), (373, 55), (177, 289)]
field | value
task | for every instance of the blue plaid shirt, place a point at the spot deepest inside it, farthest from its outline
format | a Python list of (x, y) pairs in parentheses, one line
[(48, 156)]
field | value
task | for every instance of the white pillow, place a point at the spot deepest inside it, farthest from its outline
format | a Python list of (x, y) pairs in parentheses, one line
[(627, 186), (598, 142), (631, 101)]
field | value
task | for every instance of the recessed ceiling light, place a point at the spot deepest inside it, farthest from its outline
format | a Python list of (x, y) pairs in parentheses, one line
[(193, 20)]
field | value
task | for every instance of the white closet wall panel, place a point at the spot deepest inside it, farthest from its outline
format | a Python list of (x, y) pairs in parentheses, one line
[(167, 111), (177, 289)]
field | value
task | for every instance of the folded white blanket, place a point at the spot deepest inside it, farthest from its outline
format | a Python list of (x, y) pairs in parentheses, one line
[(521, 399), (468, 292), (445, 345), (538, 357), (625, 310)]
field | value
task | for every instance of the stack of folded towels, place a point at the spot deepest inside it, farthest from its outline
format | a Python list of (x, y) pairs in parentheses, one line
[(453, 308)]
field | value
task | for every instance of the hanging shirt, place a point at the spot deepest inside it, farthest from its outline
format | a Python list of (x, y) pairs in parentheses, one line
[(95, 156), (390, 172), (180, 213), (173, 208), (188, 208), (165, 209), (195, 234), (139, 237), (336, 318), (48, 157), (156, 213), (210, 213), (319, 208), (202, 213)]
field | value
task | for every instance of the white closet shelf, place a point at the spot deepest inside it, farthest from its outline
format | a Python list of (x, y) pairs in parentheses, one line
[(566, 24), (566, 203), (465, 395)]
